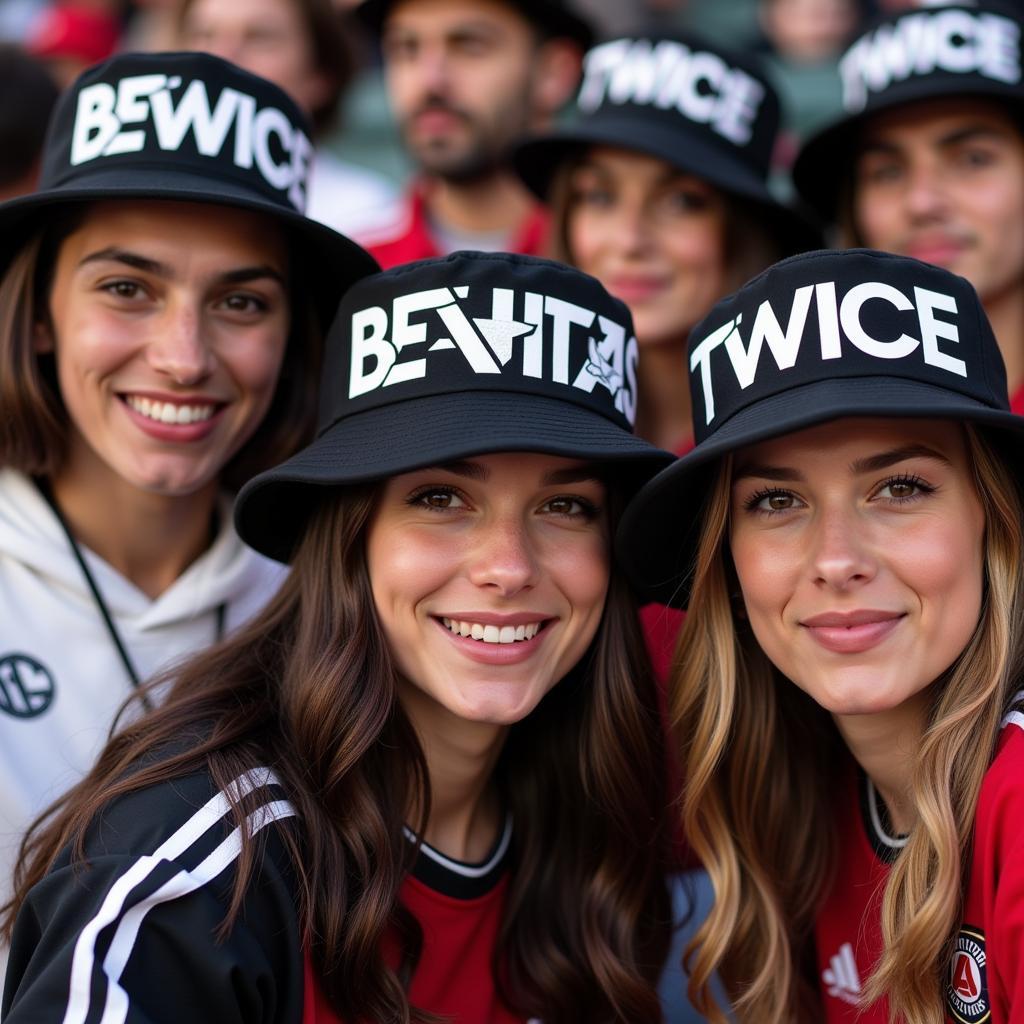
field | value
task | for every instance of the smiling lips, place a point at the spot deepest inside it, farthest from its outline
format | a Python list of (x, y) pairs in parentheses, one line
[(852, 632)]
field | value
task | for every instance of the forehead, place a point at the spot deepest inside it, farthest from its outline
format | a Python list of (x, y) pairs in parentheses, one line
[(932, 121), (253, 14), (635, 166), (837, 444), (446, 17), (169, 227)]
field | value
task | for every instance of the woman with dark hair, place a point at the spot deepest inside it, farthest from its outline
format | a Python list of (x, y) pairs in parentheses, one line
[(162, 307), (428, 779), (658, 186), (847, 701)]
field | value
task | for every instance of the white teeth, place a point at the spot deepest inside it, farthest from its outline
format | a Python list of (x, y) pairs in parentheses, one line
[(491, 634), (169, 412)]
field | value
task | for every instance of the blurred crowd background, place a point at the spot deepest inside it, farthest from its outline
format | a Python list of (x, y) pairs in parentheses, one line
[(45, 45)]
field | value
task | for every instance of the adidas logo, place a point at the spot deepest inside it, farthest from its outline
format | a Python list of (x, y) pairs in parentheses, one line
[(841, 977)]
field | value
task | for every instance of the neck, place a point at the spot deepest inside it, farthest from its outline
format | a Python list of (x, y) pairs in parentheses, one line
[(664, 414), (885, 746), (150, 539), (1006, 314), (493, 203), (465, 812)]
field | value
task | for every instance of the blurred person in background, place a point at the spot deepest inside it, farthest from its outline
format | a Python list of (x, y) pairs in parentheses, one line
[(70, 37), (27, 96), (301, 46), (928, 157), (467, 79), (658, 187)]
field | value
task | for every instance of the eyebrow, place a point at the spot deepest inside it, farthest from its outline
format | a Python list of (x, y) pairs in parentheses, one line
[(477, 471), (868, 464), (954, 138), (240, 275)]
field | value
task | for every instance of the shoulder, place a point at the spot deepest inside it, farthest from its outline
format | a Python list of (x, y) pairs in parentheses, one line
[(142, 920), (999, 818)]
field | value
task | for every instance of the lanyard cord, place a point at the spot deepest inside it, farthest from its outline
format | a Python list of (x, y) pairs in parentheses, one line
[(115, 636)]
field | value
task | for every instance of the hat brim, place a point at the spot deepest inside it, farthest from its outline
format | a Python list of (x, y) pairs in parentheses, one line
[(827, 157), (331, 262), (537, 160), (660, 531), (272, 509)]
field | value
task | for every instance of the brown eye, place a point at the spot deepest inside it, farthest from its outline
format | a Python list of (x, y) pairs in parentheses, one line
[(778, 502), (901, 489)]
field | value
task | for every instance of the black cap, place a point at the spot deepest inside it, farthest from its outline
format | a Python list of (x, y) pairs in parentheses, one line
[(553, 17), (818, 337), (458, 356), (699, 108), (956, 51), (188, 127)]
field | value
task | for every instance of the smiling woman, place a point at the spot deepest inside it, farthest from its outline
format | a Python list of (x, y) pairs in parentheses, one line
[(448, 700), (162, 309), (847, 696)]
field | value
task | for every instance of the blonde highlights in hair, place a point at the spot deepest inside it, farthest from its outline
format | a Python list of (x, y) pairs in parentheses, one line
[(761, 761)]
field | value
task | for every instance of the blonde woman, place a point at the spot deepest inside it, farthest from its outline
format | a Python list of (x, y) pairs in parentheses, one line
[(847, 695)]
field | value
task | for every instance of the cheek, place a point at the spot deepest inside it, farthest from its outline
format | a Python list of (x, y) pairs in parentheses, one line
[(404, 568), (581, 572), (256, 363)]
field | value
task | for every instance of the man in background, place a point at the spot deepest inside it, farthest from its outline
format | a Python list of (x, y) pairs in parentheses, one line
[(928, 159), (466, 79)]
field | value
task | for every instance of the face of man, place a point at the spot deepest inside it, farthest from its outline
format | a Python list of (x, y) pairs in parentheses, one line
[(463, 81), (943, 181)]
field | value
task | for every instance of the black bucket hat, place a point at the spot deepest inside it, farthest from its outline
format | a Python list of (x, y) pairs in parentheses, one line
[(949, 52), (188, 127), (553, 17), (458, 356), (818, 337), (701, 109)]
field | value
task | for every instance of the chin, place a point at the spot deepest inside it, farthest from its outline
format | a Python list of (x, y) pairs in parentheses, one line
[(857, 696)]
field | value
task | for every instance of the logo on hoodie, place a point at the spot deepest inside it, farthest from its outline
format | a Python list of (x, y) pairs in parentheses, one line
[(26, 686)]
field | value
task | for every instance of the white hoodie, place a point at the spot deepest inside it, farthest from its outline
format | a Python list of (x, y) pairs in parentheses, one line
[(61, 678)]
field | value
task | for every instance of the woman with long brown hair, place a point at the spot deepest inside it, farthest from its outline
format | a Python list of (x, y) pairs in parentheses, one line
[(847, 696), (658, 185), (163, 305), (427, 780)]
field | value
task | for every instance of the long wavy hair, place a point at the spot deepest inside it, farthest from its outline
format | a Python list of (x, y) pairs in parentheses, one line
[(309, 688), (761, 762)]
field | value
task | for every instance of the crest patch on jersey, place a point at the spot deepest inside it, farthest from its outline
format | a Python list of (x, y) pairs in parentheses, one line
[(967, 990)]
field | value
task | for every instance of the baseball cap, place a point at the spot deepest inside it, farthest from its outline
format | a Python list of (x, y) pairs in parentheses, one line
[(189, 127), (453, 357), (817, 337), (701, 109), (954, 51)]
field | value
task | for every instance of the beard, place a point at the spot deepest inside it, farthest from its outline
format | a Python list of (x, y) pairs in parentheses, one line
[(463, 156)]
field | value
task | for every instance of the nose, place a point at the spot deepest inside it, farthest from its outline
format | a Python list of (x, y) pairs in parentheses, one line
[(179, 349), (633, 229), (503, 558), (925, 196), (839, 550)]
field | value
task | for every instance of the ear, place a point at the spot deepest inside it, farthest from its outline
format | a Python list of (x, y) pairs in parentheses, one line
[(556, 75), (42, 337)]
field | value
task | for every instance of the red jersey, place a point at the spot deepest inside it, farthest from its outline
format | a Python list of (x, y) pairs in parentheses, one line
[(411, 239), (985, 982), (459, 907), (1017, 402)]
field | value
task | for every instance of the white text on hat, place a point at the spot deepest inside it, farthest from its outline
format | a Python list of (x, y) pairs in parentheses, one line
[(700, 85), (544, 326), (104, 110), (837, 321), (955, 41)]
